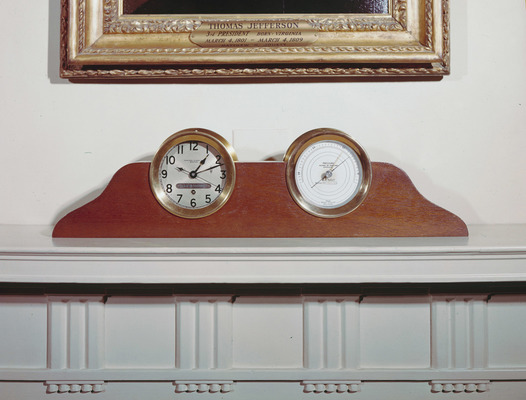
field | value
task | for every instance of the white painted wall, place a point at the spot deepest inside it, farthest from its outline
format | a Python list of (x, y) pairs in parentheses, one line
[(462, 140)]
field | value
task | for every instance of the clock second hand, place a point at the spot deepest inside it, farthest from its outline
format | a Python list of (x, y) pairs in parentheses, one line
[(180, 169)]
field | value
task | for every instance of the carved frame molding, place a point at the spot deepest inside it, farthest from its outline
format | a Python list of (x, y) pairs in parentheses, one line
[(98, 41)]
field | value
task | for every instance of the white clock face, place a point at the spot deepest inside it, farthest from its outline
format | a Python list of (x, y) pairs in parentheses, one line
[(328, 174), (192, 174)]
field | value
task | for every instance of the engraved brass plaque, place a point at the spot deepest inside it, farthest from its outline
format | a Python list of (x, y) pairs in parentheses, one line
[(254, 33)]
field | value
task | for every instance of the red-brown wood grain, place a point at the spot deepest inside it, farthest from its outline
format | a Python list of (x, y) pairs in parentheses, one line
[(260, 206)]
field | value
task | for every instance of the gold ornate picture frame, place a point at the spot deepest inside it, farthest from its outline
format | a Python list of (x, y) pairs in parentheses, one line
[(99, 41)]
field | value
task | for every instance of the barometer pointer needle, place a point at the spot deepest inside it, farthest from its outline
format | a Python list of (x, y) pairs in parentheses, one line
[(328, 174)]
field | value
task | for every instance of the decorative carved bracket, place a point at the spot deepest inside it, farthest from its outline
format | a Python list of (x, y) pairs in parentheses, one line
[(331, 386), (75, 386), (203, 386), (459, 386)]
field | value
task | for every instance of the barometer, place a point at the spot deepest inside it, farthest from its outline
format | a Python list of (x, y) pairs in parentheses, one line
[(328, 173), (193, 174)]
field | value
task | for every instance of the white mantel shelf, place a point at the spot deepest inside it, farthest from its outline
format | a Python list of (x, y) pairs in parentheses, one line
[(363, 342), (492, 253)]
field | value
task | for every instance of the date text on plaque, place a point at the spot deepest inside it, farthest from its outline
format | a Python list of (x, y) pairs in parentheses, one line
[(253, 33)]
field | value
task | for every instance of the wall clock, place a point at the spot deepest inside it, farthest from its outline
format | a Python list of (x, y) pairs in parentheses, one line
[(192, 175)]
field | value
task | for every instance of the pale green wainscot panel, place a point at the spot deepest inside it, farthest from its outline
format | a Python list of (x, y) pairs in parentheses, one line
[(268, 332), (395, 332), (23, 332), (140, 332), (507, 331)]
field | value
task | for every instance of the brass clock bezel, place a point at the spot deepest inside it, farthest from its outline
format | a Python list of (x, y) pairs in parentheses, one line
[(300, 145), (213, 139)]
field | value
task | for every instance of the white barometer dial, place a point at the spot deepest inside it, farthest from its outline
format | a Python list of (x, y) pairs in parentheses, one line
[(192, 175), (328, 173)]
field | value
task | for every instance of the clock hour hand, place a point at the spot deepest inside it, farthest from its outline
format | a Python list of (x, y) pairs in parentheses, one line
[(199, 166)]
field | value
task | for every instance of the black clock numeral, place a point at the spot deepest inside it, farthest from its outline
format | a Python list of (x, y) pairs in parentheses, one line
[(218, 188), (193, 203), (170, 160), (223, 174), (218, 159), (193, 146), (179, 197), (164, 173), (180, 148), (169, 188), (208, 199)]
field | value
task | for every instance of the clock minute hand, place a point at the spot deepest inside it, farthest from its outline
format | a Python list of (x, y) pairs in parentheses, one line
[(208, 169)]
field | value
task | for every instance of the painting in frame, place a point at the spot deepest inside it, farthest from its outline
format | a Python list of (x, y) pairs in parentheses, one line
[(132, 39)]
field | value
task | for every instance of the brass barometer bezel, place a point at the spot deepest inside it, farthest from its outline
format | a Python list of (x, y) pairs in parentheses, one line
[(304, 142)]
